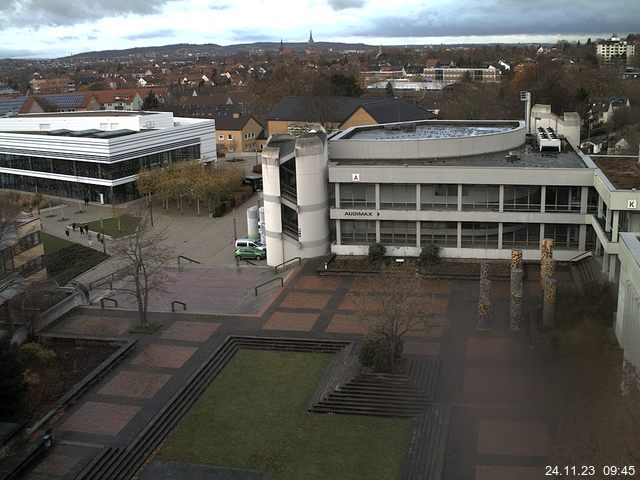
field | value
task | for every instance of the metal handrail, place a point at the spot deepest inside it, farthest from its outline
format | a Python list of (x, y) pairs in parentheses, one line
[(581, 256), (267, 283), (110, 277), (298, 259), (187, 258), (115, 302), (173, 305)]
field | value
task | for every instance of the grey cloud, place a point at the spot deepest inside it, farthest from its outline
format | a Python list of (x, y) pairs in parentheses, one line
[(508, 17), (248, 36), (344, 4), (38, 13), (219, 7), (16, 53), (166, 32)]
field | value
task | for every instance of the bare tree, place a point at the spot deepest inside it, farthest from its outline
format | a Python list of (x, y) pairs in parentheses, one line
[(144, 255), (395, 306)]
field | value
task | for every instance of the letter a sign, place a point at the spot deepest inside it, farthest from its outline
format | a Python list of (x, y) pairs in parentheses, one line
[(355, 177)]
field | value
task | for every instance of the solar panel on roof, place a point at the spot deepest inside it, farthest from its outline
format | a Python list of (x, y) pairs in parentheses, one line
[(64, 101), (11, 105), (84, 133), (114, 133)]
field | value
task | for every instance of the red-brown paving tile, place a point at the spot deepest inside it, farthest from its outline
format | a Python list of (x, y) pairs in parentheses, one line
[(421, 348), (367, 284), (190, 331), (479, 348), (346, 324), (493, 472), (534, 289), (426, 331), (497, 437), (305, 300), (367, 303), (494, 380), (437, 287), (167, 356), (127, 383), (298, 322), (100, 418), (316, 282), (56, 464)]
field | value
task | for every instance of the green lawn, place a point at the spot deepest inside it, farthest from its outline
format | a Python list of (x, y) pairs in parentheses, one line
[(52, 244), (128, 224), (253, 417)]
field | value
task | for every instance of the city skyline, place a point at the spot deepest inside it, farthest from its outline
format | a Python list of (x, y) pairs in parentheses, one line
[(56, 29)]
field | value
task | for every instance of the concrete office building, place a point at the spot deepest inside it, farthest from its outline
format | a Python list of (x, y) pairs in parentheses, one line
[(475, 188), (96, 154)]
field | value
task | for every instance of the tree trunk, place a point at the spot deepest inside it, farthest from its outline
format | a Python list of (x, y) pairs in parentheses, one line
[(198, 205)]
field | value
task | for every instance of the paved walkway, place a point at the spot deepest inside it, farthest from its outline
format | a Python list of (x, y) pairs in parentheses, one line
[(502, 411)]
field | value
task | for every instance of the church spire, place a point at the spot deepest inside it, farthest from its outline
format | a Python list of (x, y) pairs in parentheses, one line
[(310, 42)]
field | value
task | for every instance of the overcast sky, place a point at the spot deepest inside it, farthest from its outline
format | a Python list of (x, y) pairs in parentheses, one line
[(52, 28)]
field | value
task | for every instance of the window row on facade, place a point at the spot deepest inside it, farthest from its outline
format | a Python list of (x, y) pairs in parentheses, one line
[(472, 234), (104, 171), (516, 198)]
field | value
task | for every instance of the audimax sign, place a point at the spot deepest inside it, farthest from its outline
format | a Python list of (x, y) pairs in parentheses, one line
[(361, 213)]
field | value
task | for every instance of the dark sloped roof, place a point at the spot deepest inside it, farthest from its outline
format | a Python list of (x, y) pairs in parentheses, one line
[(338, 109), (396, 110), (228, 122), (315, 109)]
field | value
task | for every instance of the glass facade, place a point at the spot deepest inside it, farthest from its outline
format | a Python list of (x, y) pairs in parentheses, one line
[(398, 196), (480, 197), (355, 232), (439, 197), (522, 198), (479, 235), (562, 199), (357, 195), (399, 233), (565, 237), (525, 235), (443, 234)]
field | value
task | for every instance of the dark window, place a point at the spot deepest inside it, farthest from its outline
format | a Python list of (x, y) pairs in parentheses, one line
[(356, 232), (443, 234)]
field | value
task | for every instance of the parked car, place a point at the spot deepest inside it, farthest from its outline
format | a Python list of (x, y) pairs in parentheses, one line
[(255, 244), (250, 253)]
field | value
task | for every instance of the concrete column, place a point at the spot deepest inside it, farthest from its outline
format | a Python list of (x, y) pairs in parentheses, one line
[(418, 196), (582, 237), (516, 290), (605, 262), (615, 223), (543, 198), (541, 234), (459, 245), (377, 231), (377, 188), (418, 234), (501, 199), (338, 232), (613, 266), (484, 301), (459, 197), (337, 194), (549, 303), (600, 206), (584, 197), (500, 227)]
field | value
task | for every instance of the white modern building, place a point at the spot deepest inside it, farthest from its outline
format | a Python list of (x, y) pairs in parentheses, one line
[(96, 154), (294, 173), (614, 49)]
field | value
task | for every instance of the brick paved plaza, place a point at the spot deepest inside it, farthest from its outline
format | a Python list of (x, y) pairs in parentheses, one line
[(501, 415)]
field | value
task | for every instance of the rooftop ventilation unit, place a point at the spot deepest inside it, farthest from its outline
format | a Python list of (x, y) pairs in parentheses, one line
[(548, 139)]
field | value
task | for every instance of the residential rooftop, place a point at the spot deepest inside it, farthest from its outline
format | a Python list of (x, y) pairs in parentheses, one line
[(409, 131)]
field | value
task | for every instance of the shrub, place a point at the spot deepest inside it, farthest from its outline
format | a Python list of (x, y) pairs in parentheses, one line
[(377, 252), (430, 254), (38, 351), (12, 386), (376, 353)]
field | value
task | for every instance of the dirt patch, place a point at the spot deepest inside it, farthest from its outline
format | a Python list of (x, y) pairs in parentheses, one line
[(51, 379)]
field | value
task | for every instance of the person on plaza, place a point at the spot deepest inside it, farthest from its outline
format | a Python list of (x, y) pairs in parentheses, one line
[(66, 230), (86, 200), (81, 230), (99, 237), (73, 225)]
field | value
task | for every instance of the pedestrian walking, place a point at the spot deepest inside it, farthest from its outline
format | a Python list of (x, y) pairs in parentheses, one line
[(86, 200), (99, 237), (66, 230), (90, 241), (81, 230), (73, 225)]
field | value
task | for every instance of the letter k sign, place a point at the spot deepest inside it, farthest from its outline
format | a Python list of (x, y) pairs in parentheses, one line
[(632, 204)]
